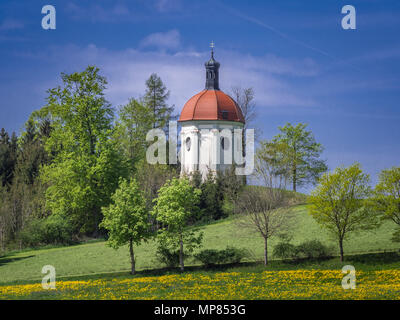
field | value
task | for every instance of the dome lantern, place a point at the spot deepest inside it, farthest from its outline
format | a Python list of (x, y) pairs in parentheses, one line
[(212, 71)]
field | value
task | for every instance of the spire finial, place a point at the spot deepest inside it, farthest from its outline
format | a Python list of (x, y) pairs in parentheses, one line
[(212, 68)]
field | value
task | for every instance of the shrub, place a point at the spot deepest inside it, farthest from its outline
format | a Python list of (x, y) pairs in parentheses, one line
[(168, 257), (212, 257), (167, 251), (51, 230), (31, 234), (396, 236), (313, 249), (232, 255), (285, 250), (208, 257)]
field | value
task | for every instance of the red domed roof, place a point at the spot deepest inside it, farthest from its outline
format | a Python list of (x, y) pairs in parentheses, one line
[(211, 105)]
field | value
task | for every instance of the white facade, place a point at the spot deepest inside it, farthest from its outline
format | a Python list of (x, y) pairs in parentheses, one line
[(209, 145)]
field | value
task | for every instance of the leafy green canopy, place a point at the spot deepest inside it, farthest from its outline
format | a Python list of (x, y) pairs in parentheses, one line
[(126, 218), (298, 151), (87, 162), (340, 202), (177, 201), (135, 120), (176, 204), (386, 199)]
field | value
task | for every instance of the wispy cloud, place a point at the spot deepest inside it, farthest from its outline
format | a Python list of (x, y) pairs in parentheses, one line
[(184, 74), (167, 5), (378, 55), (11, 24), (98, 13), (162, 40)]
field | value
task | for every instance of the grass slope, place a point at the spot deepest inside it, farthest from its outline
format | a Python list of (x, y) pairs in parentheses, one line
[(96, 258)]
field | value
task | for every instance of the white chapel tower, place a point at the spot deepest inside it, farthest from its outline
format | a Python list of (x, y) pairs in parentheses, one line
[(208, 121)]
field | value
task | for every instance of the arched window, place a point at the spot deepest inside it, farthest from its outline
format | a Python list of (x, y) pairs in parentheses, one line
[(224, 143), (188, 143)]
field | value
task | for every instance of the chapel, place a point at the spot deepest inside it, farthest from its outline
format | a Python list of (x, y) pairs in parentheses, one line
[(208, 121)]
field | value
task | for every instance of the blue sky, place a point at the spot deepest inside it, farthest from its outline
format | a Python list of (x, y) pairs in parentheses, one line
[(302, 65)]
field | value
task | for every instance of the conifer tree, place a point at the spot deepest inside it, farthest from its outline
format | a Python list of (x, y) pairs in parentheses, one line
[(155, 98)]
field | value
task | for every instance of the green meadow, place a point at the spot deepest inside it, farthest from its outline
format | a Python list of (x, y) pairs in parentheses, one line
[(95, 259)]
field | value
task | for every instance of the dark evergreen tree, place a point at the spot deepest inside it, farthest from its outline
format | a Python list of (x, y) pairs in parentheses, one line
[(212, 197), (8, 155), (32, 154), (155, 98)]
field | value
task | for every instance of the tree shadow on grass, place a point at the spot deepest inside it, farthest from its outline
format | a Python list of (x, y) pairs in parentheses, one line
[(375, 258), (10, 258), (159, 271), (274, 265)]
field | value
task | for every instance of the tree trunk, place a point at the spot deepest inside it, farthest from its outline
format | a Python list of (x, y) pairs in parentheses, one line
[(2, 249), (265, 250), (341, 250), (294, 178), (132, 257), (181, 253), (96, 222)]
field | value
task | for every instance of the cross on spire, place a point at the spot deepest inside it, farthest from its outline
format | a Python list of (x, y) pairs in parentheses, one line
[(212, 45)]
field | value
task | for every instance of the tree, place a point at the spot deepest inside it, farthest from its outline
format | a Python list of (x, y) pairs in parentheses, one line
[(5, 223), (79, 185), (176, 203), (126, 218), (271, 161), (8, 157), (244, 97), (265, 208), (82, 117), (301, 152), (135, 120), (386, 197), (32, 154), (211, 197), (22, 197), (339, 203), (151, 178), (87, 163), (265, 211), (155, 98), (230, 183)]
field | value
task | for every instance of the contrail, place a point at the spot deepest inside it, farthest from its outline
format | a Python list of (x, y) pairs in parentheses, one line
[(281, 34)]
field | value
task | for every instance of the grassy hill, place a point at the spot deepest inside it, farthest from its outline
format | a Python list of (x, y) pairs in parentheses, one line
[(96, 258)]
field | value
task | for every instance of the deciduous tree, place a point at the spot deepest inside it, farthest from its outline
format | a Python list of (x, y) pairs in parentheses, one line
[(126, 218), (340, 203), (386, 199), (301, 152), (176, 203), (265, 208), (134, 121), (87, 163)]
